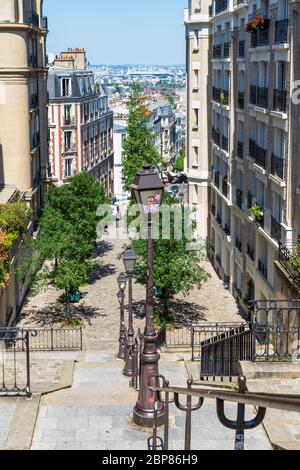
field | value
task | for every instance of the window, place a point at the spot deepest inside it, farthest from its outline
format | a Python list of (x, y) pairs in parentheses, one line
[(66, 87), (226, 80), (67, 140), (279, 142), (196, 79), (260, 194), (68, 167), (242, 81), (281, 75), (283, 10), (261, 135), (196, 118), (277, 207), (263, 74), (196, 40), (195, 156), (240, 131)]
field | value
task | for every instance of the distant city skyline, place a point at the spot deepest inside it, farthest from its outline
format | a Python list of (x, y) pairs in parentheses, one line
[(119, 33)]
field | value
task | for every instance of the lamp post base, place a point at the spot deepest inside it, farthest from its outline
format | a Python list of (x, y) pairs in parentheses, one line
[(145, 418)]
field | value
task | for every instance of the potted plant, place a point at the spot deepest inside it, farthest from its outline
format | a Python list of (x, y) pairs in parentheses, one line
[(257, 212), (294, 260), (259, 22)]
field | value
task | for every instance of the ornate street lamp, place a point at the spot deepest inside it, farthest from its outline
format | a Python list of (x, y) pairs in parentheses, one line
[(122, 281), (148, 190), (129, 260)]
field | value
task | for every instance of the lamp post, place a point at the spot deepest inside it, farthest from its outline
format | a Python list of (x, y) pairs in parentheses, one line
[(148, 190), (122, 281), (129, 260)]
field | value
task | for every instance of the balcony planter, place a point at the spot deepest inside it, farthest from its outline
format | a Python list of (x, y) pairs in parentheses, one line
[(256, 212), (258, 23), (294, 259)]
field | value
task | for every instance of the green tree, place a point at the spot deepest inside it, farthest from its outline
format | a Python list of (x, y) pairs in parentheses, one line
[(179, 163), (68, 230), (176, 269), (138, 146)]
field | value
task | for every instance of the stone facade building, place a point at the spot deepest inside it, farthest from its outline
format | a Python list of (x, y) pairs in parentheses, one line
[(80, 121), (251, 202)]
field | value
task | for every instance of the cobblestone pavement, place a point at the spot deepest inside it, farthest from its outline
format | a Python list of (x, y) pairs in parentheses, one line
[(96, 413), (100, 308)]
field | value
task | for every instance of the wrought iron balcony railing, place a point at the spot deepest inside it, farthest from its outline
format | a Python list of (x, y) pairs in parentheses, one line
[(263, 269), (242, 49), (260, 37), (44, 22), (259, 96), (240, 150), (32, 18), (217, 51), (238, 244), (32, 60), (241, 100), (252, 148), (225, 188), (250, 198), (260, 156), (227, 230), (216, 136), (225, 143), (250, 252), (239, 198), (220, 5), (217, 94), (219, 219), (277, 164), (281, 31), (285, 256), (217, 179), (226, 50), (276, 229), (279, 100)]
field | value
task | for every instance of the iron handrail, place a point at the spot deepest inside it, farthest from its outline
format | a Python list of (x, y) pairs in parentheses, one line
[(265, 400)]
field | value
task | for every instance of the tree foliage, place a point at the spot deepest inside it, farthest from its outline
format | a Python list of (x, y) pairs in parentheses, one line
[(176, 269), (68, 226), (138, 145), (179, 163)]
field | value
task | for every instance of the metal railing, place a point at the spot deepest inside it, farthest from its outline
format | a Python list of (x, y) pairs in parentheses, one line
[(15, 366), (277, 164), (220, 5), (225, 143), (281, 31), (54, 339), (221, 355), (182, 398), (226, 49), (285, 255), (217, 94), (260, 37), (217, 51), (276, 229), (260, 156), (259, 96), (216, 136), (239, 198), (32, 18), (279, 100), (262, 268)]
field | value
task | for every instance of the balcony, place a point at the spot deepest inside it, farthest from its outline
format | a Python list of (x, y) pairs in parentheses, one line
[(263, 269), (69, 121), (259, 96), (213, 209), (260, 156), (34, 101), (281, 31), (217, 51), (238, 244), (241, 100), (226, 50), (32, 60), (35, 141), (225, 187), (70, 148), (225, 97), (250, 198), (241, 49), (260, 37), (277, 164), (227, 230), (225, 143), (216, 136), (239, 198), (240, 150), (279, 100), (220, 5), (252, 148), (44, 22), (217, 179), (32, 18), (219, 219), (276, 229), (217, 94), (250, 252), (287, 254)]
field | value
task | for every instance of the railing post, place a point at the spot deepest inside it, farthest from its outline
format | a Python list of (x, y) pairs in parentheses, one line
[(27, 342), (51, 335), (193, 344)]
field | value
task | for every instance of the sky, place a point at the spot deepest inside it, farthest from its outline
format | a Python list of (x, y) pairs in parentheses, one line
[(119, 31)]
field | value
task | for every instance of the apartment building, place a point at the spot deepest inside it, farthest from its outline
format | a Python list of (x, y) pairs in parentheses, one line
[(253, 146), (163, 121), (23, 99), (23, 129), (80, 121)]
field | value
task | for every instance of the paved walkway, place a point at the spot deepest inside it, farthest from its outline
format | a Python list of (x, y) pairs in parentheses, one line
[(96, 413), (100, 309)]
